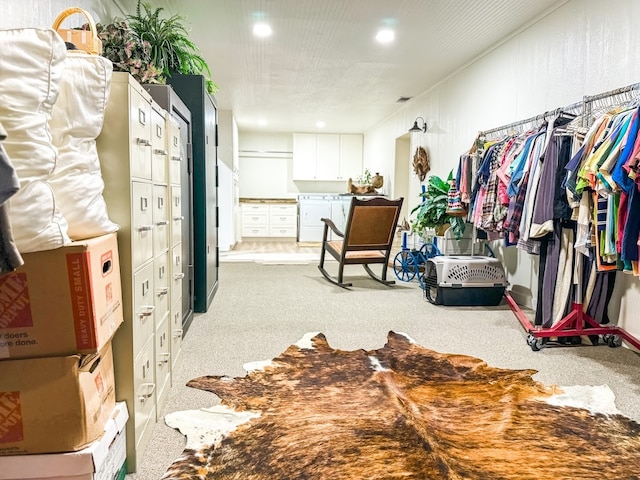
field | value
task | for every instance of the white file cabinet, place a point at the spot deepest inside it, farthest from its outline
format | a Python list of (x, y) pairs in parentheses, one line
[(136, 155)]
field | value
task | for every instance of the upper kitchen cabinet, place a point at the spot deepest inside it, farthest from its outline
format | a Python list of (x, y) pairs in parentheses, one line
[(350, 156), (204, 130), (326, 156)]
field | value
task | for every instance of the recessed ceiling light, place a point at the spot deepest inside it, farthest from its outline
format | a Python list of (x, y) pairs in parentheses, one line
[(262, 30), (262, 122), (320, 124), (385, 35)]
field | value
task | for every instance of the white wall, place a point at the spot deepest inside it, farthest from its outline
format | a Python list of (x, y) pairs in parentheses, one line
[(42, 13), (583, 48), (266, 168)]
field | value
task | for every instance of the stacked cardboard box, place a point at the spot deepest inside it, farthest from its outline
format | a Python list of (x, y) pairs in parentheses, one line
[(103, 459), (58, 314)]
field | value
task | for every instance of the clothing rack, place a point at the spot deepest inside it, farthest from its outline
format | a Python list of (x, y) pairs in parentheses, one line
[(626, 92), (577, 322), (532, 120)]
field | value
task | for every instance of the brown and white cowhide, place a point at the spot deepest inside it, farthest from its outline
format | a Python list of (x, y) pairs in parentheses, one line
[(401, 412)]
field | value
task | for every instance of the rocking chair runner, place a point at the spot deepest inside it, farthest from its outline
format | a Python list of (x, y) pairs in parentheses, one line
[(367, 238)]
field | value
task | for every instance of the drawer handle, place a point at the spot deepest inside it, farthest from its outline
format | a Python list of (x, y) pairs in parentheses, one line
[(159, 151), (176, 159), (177, 333), (151, 388), (178, 276), (143, 141), (163, 222), (145, 228), (163, 291), (164, 359), (176, 219), (146, 311)]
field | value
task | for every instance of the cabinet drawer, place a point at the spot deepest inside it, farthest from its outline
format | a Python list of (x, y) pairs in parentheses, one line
[(175, 154), (143, 306), (255, 231), (282, 231), (141, 223), (176, 215), (161, 225), (163, 362), (177, 273), (158, 146), (253, 208), (255, 219), (144, 388), (161, 285), (175, 331), (282, 221), (140, 135), (286, 209)]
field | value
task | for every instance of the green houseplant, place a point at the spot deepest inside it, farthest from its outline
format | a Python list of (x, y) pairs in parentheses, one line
[(431, 212), (128, 52), (171, 50)]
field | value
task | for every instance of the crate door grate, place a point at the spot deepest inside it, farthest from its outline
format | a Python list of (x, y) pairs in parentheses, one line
[(464, 273)]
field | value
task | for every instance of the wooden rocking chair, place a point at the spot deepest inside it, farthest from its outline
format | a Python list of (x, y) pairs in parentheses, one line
[(367, 238)]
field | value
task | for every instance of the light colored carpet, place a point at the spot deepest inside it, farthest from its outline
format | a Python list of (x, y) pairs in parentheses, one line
[(259, 310)]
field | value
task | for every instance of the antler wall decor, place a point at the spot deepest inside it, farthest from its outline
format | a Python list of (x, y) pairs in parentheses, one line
[(421, 164)]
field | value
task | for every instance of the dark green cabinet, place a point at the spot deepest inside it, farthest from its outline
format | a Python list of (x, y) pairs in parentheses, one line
[(204, 131)]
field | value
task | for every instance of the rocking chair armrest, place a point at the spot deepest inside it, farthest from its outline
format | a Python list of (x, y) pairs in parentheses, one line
[(329, 223)]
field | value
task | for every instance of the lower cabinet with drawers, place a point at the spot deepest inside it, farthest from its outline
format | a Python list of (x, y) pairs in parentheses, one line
[(134, 150), (269, 219)]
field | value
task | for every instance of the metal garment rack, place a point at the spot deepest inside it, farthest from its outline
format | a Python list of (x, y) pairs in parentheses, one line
[(576, 322), (535, 120)]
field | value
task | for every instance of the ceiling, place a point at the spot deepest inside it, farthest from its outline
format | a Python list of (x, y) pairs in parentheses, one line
[(322, 61)]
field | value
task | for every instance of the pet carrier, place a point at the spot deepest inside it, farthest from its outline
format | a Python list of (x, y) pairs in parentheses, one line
[(464, 280)]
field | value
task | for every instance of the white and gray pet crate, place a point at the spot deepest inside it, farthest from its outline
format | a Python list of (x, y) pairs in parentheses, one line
[(464, 279)]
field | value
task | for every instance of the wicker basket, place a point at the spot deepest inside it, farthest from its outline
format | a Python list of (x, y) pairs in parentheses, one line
[(84, 40)]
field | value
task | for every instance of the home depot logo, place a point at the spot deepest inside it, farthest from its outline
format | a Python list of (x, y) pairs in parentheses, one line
[(99, 385), (10, 418), (15, 308)]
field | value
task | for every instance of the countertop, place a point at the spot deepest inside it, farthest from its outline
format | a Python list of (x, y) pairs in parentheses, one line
[(268, 200)]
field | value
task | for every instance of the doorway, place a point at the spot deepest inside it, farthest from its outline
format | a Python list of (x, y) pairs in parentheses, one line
[(402, 174)]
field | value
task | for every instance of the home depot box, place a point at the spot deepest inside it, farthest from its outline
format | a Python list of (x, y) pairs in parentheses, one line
[(62, 301), (55, 404), (101, 460)]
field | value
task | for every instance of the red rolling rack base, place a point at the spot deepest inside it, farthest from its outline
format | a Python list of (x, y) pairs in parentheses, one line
[(576, 323)]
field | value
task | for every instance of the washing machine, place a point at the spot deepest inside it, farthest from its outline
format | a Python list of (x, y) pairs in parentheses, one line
[(311, 208)]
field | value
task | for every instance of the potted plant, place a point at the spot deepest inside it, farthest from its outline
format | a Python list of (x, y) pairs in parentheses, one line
[(152, 48), (128, 52), (431, 212), (171, 50)]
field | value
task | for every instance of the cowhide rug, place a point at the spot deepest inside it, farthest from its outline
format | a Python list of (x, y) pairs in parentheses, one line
[(401, 412)]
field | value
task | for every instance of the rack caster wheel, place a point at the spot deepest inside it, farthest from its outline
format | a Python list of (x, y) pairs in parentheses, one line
[(612, 340), (536, 344)]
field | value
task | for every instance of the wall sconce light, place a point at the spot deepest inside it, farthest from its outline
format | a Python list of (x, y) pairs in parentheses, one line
[(417, 128)]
